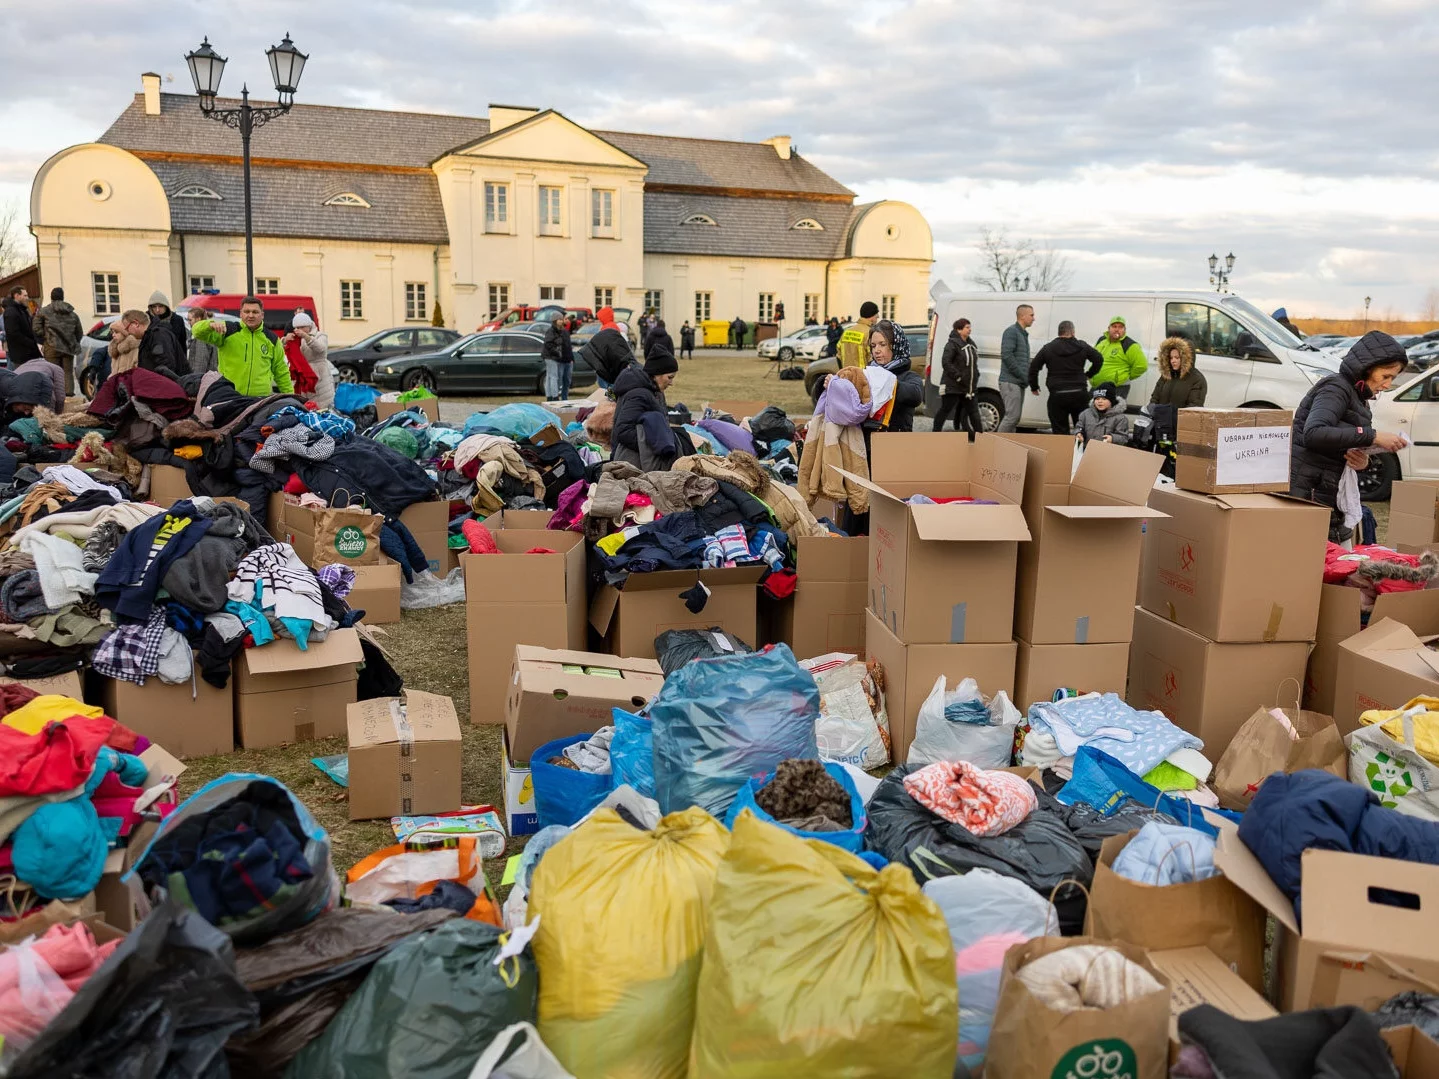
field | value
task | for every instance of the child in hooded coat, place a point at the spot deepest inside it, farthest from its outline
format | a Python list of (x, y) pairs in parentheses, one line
[(1103, 420)]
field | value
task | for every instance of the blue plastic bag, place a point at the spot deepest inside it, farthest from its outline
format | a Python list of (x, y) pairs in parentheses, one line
[(720, 720), (1101, 781), (632, 753), (851, 840), (354, 396), (516, 421), (564, 795)]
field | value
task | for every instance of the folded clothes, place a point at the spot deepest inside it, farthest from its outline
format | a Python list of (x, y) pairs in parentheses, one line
[(1163, 854), (1086, 976), (984, 802), (593, 755), (1137, 739)]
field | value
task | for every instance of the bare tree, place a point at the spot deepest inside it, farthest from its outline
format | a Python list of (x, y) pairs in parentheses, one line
[(17, 250), (1429, 311), (1016, 265), (1052, 272)]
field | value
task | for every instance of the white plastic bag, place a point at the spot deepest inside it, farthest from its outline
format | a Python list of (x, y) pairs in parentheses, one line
[(1397, 772), (937, 739), (532, 1060), (848, 731), (427, 590), (41, 997)]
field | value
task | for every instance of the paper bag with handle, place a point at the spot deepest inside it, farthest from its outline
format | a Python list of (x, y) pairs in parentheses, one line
[(1286, 739), (347, 534)]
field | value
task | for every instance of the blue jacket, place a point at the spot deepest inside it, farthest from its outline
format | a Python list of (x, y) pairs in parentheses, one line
[(128, 583)]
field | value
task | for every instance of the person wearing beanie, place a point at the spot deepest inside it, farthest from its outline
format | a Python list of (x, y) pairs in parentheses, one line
[(852, 349), (1124, 360), (159, 308), (313, 348), (1103, 419), (642, 435)]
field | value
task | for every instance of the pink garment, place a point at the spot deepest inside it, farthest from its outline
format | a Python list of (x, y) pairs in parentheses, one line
[(569, 515), (983, 801), (39, 977), (634, 498), (985, 954), (479, 537)]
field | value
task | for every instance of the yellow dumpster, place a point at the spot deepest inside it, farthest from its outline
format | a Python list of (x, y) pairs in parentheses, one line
[(716, 332)]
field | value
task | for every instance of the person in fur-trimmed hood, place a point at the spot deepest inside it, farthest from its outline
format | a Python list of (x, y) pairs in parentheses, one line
[(1180, 383)]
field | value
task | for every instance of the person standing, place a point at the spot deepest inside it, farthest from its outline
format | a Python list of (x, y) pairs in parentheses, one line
[(160, 313), (1180, 383), (250, 356), (1124, 360), (687, 340), (960, 374), (559, 361), (852, 349), (1071, 364), (1281, 316), (315, 348), (608, 351), (58, 331), (20, 342), (736, 329), (200, 356), (1014, 367), (831, 336)]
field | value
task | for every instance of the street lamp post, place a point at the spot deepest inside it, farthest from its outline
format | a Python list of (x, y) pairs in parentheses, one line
[(206, 68), (1366, 314), (1219, 278)]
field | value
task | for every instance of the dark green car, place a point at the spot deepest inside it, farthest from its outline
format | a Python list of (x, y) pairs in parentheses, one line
[(499, 361)]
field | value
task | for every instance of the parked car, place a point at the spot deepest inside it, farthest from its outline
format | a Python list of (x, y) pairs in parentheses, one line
[(918, 351), (1412, 409), (355, 364), (1423, 355), (524, 312), (582, 335), (279, 310), (507, 361), (1323, 340), (806, 343), (97, 337)]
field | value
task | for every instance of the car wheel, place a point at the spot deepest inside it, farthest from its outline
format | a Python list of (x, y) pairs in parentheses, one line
[(1377, 481), (991, 409), (347, 373), (786, 354), (418, 377)]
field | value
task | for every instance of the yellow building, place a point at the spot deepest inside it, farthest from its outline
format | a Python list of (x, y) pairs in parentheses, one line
[(379, 214)]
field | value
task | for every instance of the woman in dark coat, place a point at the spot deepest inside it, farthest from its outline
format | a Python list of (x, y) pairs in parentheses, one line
[(1180, 383), (1333, 426), (642, 434), (960, 369)]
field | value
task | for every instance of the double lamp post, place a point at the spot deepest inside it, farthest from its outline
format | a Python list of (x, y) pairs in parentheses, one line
[(206, 68)]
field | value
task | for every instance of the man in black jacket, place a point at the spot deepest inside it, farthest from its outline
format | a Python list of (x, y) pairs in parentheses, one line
[(687, 341), (1072, 363), (960, 379), (160, 312), (608, 351), (20, 342), (559, 360)]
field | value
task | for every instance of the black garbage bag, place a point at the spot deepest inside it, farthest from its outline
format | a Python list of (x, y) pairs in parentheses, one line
[(303, 978), (1092, 828), (161, 1007), (771, 424), (1041, 851), (427, 1010), (676, 647)]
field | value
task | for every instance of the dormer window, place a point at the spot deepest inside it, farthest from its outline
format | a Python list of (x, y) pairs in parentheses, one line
[(808, 224), (699, 219), (196, 191), (347, 198)]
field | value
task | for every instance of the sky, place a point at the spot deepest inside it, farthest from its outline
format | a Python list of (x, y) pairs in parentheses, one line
[(1134, 138)]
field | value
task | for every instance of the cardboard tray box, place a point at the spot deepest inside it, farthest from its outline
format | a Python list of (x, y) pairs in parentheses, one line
[(548, 698), (1233, 450), (1413, 513), (629, 620), (285, 695), (826, 612), (1043, 668), (1385, 666), (168, 485), (1235, 568), (521, 817), (1415, 1054), (430, 406), (1340, 617), (188, 722), (403, 764), (1093, 519), (945, 574)]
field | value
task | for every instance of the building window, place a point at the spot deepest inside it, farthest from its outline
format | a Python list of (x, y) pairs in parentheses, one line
[(555, 293), (197, 191), (107, 293), (549, 211), (604, 296), (808, 224), (499, 299), (811, 306), (887, 306), (702, 306), (602, 212), (347, 198), (199, 282), (654, 302), (267, 286), (699, 219), (352, 302), (497, 207), (416, 309), (766, 307)]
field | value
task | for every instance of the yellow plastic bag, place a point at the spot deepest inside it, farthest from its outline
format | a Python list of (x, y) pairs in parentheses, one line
[(622, 920), (1426, 725), (817, 964)]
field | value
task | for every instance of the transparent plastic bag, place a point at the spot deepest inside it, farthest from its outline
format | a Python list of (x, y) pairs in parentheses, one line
[(529, 1058), (427, 590), (848, 731), (937, 738), (39, 996)]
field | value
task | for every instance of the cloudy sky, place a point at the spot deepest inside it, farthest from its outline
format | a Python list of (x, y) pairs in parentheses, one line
[(1135, 138)]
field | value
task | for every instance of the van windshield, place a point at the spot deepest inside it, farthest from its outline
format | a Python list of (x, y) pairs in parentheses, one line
[(1257, 320)]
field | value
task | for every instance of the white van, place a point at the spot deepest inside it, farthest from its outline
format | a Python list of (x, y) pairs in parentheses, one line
[(1247, 358)]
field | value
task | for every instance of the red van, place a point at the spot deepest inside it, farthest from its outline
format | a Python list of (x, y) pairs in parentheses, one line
[(279, 310)]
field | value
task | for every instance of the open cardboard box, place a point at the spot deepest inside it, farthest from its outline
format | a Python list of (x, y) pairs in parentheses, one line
[(283, 694), (1198, 976), (1043, 668), (944, 574), (553, 693), (1413, 513), (403, 764), (377, 592), (168, 485), (1415, 1054), (826, 612), (1076, 524), (430, 406), (121, 903), (1385, 666), (190, 721), (1340, 617), (628, 620)]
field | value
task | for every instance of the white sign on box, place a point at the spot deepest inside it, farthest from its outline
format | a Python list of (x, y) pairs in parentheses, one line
[(1252, 455)]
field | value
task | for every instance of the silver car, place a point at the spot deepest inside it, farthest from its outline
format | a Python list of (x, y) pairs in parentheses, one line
[(806, 343)]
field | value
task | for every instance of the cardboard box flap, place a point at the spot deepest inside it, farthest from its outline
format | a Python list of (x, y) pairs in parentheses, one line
[(868, 484), (283, 655), (534, 653), (970, 523), (1056, 464), (1237, 862), (431, 716), (1106, 513), (1417, 610), (924, 457), (602, 608), (1198, 976), (1360, 902), (1118, 472), (159, 764), (680, 579), (1246, 502), (997, 468)]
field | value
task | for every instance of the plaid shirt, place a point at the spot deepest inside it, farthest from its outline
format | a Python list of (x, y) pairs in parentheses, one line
[(325, 421), (132, 653)]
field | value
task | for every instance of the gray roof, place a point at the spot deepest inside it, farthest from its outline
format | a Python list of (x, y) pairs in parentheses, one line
[(757, 227), (750, 166)]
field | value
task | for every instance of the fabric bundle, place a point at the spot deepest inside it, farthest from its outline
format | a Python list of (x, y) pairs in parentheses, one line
[(1139, 740), (1086, 976), (985, 802), (1163, 854)]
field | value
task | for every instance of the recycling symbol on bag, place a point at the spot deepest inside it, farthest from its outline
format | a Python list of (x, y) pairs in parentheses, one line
[(1106, 1059), (350, 541)]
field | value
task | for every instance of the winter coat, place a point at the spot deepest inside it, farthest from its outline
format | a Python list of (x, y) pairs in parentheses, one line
[(201, 356), (58, 327), (20, 342), (252, 360), (1071, 364), (389, 483), (159, 351), (960, 365), (31, 388), (1188, 389), (1014, 355), (635, 394), (1333, 418), (316, 349), (555, 341), (1124, 361), (53, 374), (687, 337), (608, 353), (1112, 422)]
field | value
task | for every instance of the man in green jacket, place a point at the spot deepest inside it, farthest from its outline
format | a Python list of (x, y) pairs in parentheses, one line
[(1124, 360), (251, 357)]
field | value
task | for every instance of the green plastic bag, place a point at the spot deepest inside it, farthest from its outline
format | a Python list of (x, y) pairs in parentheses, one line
[(428, 1009)]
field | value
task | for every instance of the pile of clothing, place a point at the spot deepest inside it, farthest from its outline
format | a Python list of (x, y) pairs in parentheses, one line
[(1376, 570), (805, 797)]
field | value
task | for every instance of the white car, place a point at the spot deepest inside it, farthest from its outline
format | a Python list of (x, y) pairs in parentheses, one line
[(806, 344), (1412, 408)]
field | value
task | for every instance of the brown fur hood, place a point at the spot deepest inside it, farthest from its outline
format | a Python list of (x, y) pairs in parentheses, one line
[(1186, 357)]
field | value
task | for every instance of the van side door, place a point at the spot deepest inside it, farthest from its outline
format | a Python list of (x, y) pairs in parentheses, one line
[(1215, 337)]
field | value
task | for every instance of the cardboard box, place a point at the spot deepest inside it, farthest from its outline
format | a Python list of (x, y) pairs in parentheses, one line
[(629, 620), (285, 695), (430, 406), (377, 592), (1413, 517), (1235, 567), (1233, 450), (515, 598), (826, 612), (945, 574), (188, 722), (1043, 668), (120, 902), (1075, 524), (740, 410), (168, 485), (1340, 617), (552, 694), (910, 671), (1386, 666), (1208, 689), (404, 756), (429, 523), (66, 685), (1356, 909), (297, 528), (521, 818), (1415, 1054), (1198, 976)]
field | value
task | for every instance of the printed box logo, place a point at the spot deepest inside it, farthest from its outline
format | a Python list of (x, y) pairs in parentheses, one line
[(1107, 1059), (350, 541)]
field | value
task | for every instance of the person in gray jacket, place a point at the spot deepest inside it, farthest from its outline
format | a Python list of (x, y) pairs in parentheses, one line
[(1102, 420), (1014, 367)]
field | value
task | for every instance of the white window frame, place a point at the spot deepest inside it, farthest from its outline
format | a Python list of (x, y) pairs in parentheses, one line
[(267, 286), (604, 296), (704, 304), (766, 307), (105, 291), (552, 294), (602, 212), (201, 281), (888, 305), (808, 224), (655, 301), (352, 300), (499, 292), (347, 198), (497, 206), (197, 191), (699, 219), (417, 306), (551, 210), (811, 306)]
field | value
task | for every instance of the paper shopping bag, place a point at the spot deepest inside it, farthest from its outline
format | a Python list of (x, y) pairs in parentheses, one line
[(1212, 913), (1264, 746), (1031, 1040), (347, 537)]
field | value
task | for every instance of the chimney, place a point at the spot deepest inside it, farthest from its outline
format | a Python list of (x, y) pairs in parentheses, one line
[(503, 116), (780, 144), (151, 82)]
